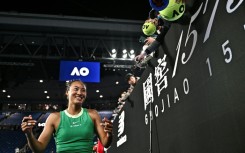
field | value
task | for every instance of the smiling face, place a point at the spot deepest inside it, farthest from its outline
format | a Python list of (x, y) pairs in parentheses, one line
[(76, 92)]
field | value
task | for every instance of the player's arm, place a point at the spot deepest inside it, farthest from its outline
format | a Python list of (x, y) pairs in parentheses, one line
[(40, 145), (103, 128)]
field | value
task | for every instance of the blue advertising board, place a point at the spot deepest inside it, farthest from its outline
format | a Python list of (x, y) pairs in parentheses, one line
[(85, 71)]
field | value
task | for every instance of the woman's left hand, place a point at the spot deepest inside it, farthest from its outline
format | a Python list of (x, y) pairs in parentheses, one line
[(107, 125)]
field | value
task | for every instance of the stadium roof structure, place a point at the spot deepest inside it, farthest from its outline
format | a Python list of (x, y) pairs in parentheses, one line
[(35, 37)]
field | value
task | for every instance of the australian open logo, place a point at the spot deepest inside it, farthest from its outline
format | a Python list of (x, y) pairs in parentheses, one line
[(86, 71), (83, 71)]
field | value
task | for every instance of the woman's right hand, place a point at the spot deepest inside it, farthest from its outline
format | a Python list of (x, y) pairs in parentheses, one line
[(27, 124)]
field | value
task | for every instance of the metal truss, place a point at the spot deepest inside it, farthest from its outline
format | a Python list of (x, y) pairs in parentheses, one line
[(38, 38)]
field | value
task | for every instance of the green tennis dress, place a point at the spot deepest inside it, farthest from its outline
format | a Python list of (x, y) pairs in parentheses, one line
[(75, 133)]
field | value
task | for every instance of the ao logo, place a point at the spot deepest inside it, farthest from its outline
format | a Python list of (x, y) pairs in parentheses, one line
[(173, 11), (80, 72)]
